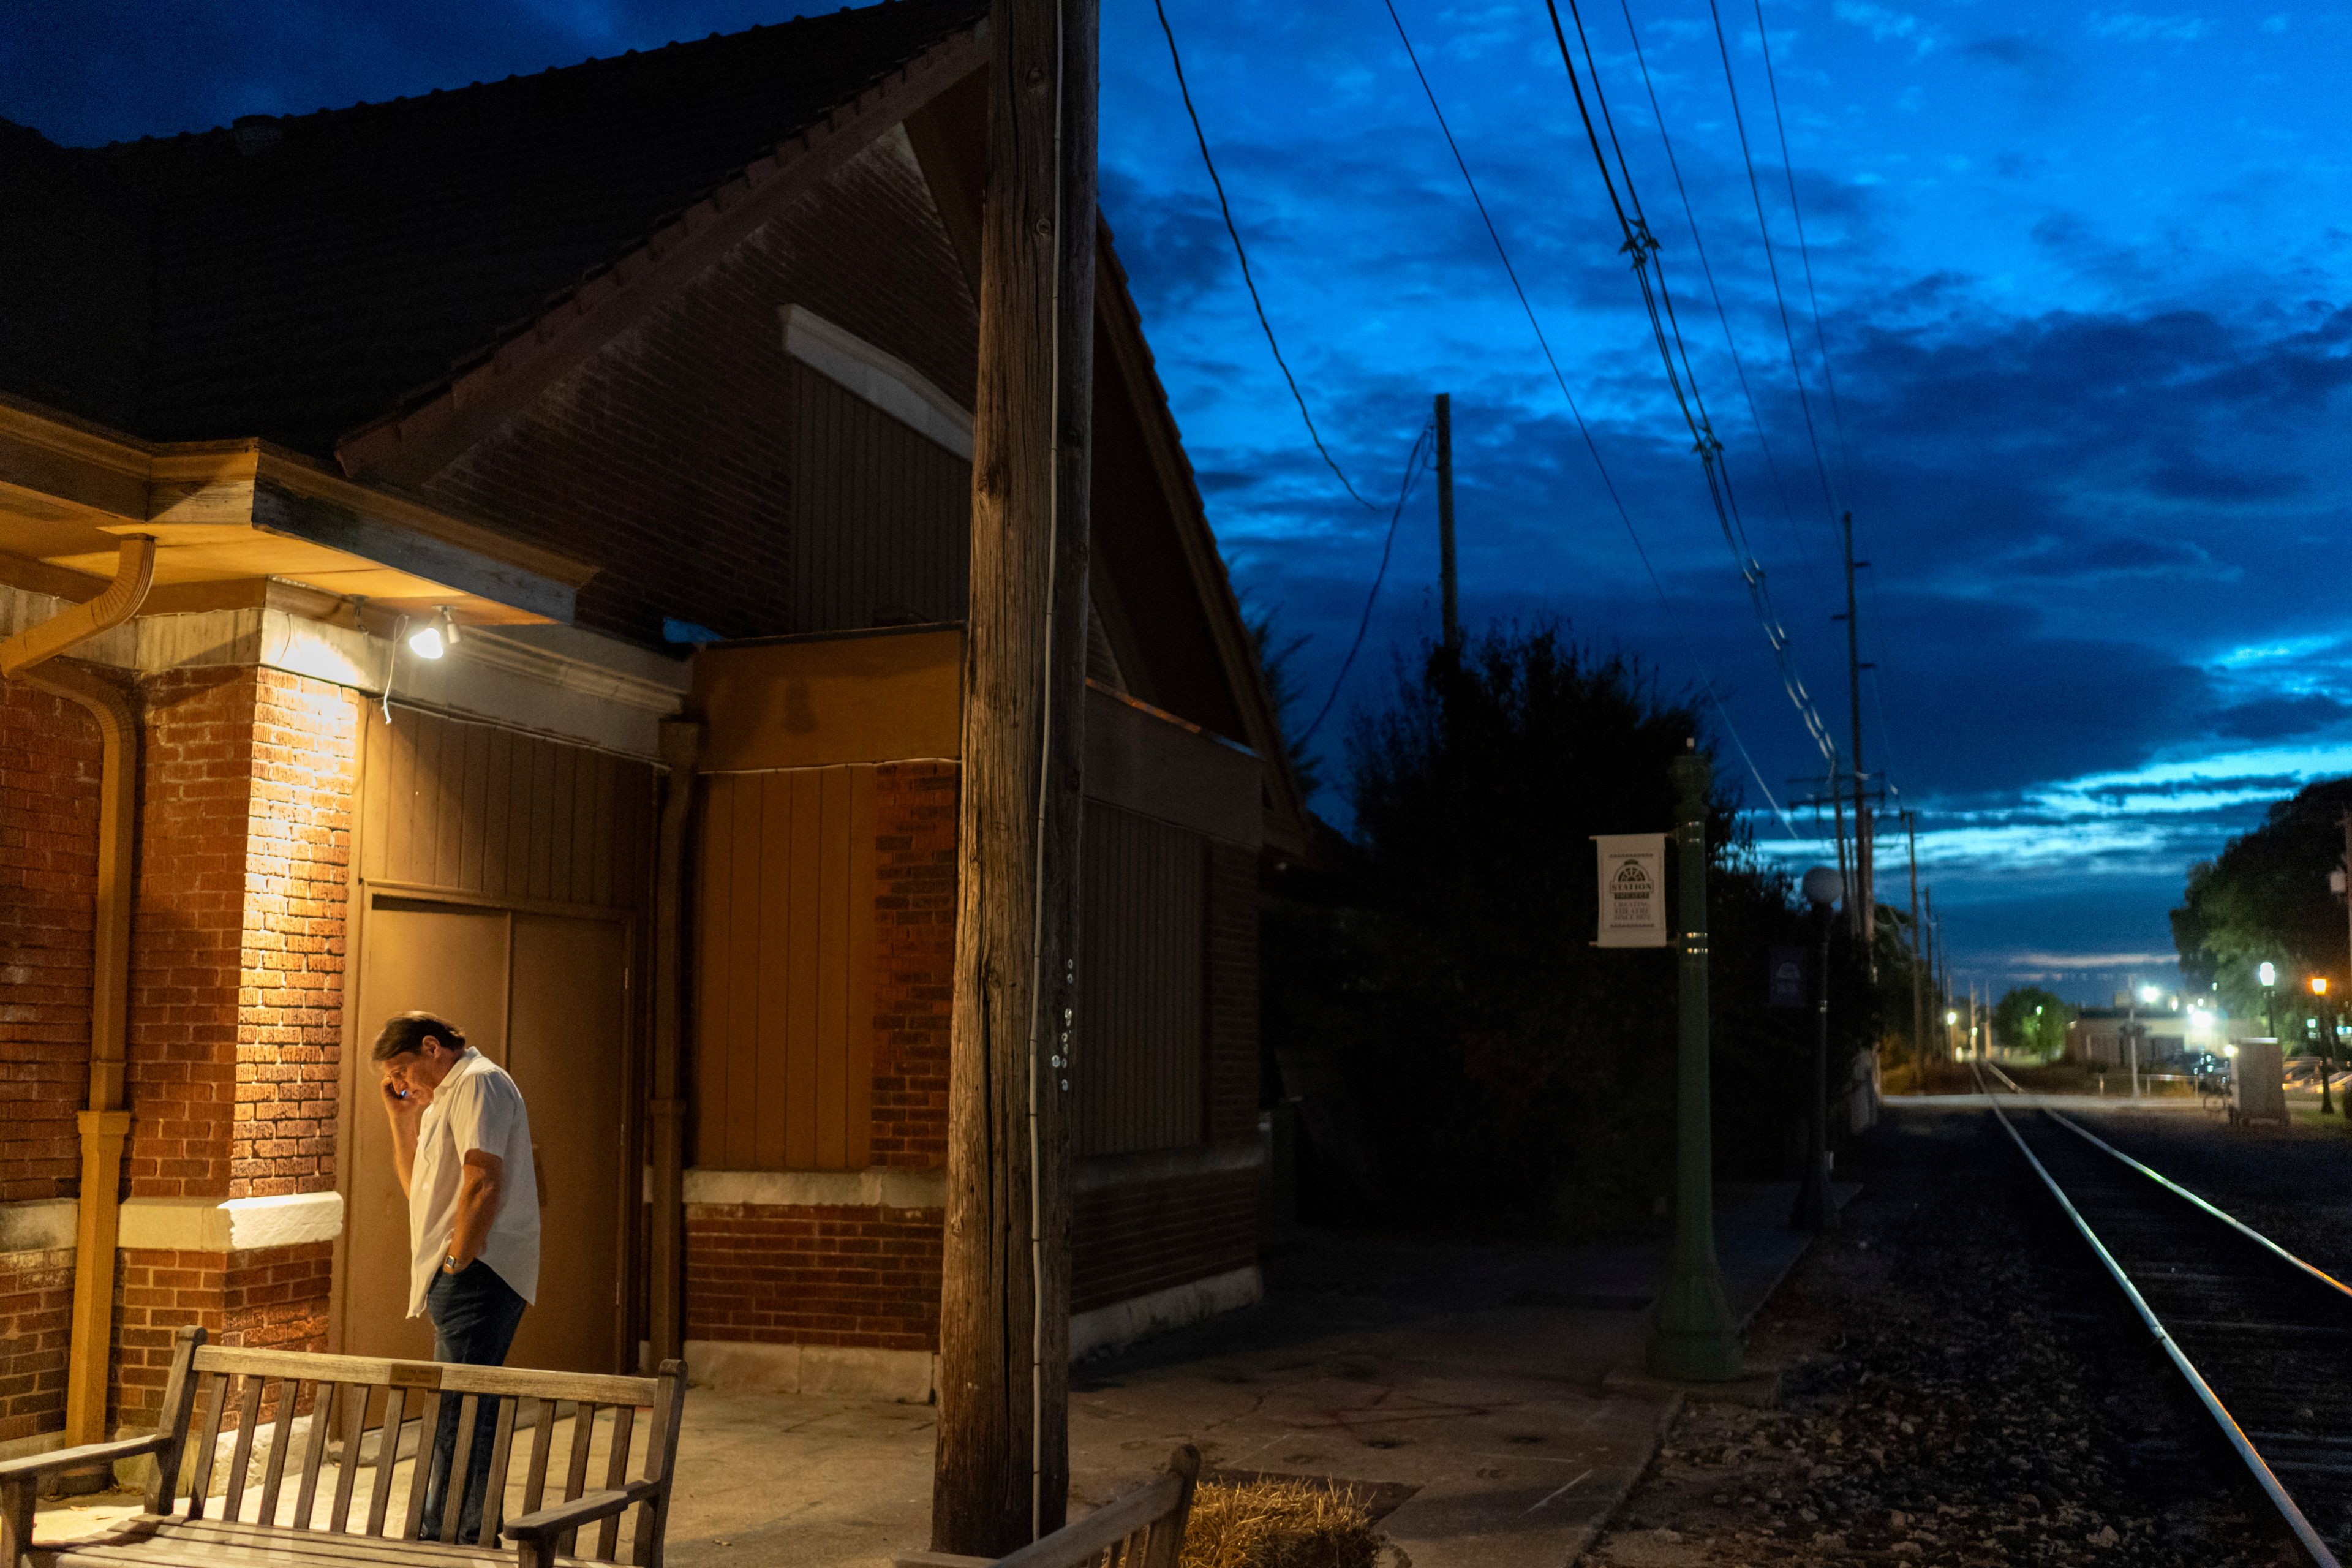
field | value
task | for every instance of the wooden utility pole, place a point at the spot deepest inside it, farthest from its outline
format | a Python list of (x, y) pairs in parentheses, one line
[(1002, 1475), (1861, 900), (1448, 594), (1918, 1007)]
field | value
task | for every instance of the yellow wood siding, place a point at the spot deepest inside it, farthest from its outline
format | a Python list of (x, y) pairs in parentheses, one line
[(784, 1003)]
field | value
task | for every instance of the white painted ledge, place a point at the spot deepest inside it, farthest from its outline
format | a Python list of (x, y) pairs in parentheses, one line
[(1124, 1322), (877, 1187), (238, 1225), (842, 1372), (40, 1225), (878, 376)]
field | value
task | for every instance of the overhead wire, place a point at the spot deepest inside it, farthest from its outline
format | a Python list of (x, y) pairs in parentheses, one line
[(1176, 59), (1772, 267), (1413, 467), (1804, 251), (1706, 268), (1609, 484), (1642, 246)]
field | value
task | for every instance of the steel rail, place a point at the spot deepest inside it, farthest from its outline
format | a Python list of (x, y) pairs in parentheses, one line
[(2259, 1468), (2176, 1189)]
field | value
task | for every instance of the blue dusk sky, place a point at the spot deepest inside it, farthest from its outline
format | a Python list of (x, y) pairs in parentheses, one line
[(2082, 276)]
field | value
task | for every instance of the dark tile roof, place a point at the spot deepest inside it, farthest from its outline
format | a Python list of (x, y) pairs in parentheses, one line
[(308, 273)]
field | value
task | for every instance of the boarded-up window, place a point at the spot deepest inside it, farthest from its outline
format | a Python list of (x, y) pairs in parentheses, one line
[(881, 516), (1140, 1050), (784, 994)]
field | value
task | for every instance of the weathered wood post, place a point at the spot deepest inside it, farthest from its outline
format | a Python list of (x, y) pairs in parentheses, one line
[(1002, 1475)]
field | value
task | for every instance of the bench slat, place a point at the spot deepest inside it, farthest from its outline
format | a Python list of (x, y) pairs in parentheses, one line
[(494, 1496), (428, 1428), (201, 1484), (387, 1454), (274, 1476), (347, 1466), (306, 1495), (542, 1441), (616, 1475), (212, 1545), (575, 1479), (595, 1387), (249, 1416), (453, 1492)]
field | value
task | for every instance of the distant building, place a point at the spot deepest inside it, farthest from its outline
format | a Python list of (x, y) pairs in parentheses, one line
[(2100, 1035)]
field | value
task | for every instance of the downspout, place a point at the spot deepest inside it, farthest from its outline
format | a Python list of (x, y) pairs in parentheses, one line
[(680, 743), (106, 1123)]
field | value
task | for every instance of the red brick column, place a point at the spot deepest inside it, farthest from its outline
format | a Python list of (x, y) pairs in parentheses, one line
[(235, 1009)]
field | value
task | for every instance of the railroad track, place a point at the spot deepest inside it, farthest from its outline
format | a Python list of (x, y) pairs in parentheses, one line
[(2263, 1339)]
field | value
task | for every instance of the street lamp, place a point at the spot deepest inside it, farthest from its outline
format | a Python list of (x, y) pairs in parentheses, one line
[(2268, 975), (2326, 1047), (1814, 1210)]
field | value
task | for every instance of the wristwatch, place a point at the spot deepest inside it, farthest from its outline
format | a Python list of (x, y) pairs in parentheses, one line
[(449, 1263)]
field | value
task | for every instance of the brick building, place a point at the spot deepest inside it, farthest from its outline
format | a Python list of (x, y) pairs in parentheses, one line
[(645, 383)]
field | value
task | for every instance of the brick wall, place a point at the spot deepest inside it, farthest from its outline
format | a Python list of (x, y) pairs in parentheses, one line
[(914, 961), (305, 751), (188, 935), (1132, 1240), (771, 1275), (48, 877), (271, 1299), (36, 1321), (1232, 959), (667, 456)]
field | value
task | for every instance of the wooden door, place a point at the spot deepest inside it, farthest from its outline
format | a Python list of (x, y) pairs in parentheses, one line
[(568, 998), (546, 997), (447, 960)]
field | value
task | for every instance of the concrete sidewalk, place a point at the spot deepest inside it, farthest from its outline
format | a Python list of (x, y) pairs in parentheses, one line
[(1459, 1385)]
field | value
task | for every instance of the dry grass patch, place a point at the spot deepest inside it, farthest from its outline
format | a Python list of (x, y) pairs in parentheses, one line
[(1278, 1525)]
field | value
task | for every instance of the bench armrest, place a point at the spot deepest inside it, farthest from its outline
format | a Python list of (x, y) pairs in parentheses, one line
[(33, 1466), (585, 1508)]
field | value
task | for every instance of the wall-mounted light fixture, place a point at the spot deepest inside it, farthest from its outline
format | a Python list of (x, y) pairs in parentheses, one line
[(436, 637)]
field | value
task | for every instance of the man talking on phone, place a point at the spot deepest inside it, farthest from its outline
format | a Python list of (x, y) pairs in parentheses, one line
[(461, 1143)]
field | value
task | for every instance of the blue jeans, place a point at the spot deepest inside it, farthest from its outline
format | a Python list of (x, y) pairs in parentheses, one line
[(475, 1314)]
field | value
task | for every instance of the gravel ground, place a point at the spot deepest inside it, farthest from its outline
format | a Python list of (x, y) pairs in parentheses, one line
[(1963, 1387)]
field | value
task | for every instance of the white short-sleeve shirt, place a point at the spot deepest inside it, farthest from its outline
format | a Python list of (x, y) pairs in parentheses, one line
[(476, 1107)]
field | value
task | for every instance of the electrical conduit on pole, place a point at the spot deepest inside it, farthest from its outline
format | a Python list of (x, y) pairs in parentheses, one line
[(105, 1125)]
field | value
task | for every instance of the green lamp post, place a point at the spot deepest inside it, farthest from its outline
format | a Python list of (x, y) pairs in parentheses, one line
[(1693, 1337)]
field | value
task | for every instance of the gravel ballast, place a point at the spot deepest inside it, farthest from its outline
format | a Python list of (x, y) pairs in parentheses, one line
[(1962, 1385)]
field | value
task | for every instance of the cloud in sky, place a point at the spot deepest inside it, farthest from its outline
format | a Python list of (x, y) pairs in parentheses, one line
[(2083, 287)]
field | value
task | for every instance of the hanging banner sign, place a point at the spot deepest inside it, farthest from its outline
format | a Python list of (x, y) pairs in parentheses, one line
[(1633, 889), (1785, 977)]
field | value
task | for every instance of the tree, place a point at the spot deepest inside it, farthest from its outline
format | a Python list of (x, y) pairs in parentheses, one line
[(1509, 1075), (2264, 899), (2030, 1019)]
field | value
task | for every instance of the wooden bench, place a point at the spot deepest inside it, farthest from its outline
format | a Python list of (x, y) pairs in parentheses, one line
[(1143, 1529), (327, 1408)]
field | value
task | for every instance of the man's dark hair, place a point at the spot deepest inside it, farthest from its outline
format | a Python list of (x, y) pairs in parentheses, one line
[(404, 1034)]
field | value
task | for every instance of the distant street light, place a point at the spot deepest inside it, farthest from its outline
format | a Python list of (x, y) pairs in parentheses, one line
[(2326, 1048), (2268, 975)]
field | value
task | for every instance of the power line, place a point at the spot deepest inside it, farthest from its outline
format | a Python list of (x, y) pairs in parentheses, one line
[(1242, 253), (1503, 254), (1698, 248), (1804, 251), (1642, 248), (1412, 465), (1772, 264)]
